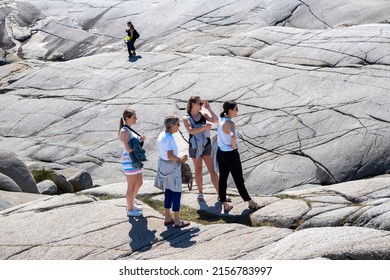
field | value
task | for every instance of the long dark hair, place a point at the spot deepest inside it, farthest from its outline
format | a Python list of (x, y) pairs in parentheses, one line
[(126, 114), (191, 101), (228, 105)]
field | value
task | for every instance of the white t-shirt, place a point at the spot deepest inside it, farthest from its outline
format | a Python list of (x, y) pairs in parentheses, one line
[(166, 142)]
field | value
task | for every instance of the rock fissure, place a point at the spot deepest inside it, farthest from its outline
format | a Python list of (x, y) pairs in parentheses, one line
[(283, 20), (310, 10)]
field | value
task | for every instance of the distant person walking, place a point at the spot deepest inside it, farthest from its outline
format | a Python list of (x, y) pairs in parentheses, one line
[(169, 171), (132, 36), (228, 157), (131, 168), (199, 112)]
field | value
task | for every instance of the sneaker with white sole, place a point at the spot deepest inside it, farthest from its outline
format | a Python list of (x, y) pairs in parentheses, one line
[(134, 213)]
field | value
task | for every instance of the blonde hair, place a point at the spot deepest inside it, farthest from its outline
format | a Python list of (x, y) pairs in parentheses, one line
[(191, 101)]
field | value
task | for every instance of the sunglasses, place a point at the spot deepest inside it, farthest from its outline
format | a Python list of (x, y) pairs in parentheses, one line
[(200, 103)]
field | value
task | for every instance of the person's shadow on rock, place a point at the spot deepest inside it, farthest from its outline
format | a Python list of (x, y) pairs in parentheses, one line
[(141, 238), (180, 237), (134, 58), (211, 211)]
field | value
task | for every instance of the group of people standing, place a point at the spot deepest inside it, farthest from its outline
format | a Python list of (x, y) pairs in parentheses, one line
[(198, 123)]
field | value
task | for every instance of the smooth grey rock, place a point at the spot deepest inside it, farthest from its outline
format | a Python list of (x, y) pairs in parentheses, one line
[(311, 80), (14, 168), (7, 184), (3, 59), (96, 235), (61, 182), (273, 143), (376, 217), (79, 179), (13, 199), (5, 40), (118, 190), (48, 203), (339, 243), (285, 213), (47, 187), (333, 218), (319, 208)]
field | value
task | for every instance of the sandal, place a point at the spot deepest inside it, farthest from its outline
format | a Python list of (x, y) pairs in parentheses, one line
[(200, 197), (182, 224), (255, 207), (227, 210), (170, 222)]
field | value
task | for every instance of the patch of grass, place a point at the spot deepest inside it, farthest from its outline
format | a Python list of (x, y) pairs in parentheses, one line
[(106, 197), (199, 216), (266, 224), (285, 196), (186, 213), (41, 175)]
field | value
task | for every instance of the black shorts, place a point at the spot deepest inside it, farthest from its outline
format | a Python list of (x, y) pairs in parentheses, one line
[(206, 150)]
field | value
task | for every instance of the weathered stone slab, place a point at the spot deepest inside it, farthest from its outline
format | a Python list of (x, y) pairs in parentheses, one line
[(332, 243), (267, 146), (13, 199), (285, 213), (332, 218), (104, 232), (47, 203), (376, 217), (311, 80)]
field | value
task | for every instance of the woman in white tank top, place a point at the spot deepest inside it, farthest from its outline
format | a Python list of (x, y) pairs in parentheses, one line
[(229, 159)]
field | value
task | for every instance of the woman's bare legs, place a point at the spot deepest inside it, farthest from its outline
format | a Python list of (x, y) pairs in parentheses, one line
[(209, 161), (134, 183), (198, 174), (137, 186)]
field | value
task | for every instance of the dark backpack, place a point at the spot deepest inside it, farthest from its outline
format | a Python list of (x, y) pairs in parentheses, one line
[(136, 34)]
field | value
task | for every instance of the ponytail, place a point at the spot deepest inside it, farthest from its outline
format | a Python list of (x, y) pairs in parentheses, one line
[(126, 114), (228, 105)]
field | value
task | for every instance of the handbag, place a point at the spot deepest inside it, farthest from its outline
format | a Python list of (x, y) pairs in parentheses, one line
[(186, 175)]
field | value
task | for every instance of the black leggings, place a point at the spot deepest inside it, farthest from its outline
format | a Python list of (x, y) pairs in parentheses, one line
[(130, 47), (229, 162)]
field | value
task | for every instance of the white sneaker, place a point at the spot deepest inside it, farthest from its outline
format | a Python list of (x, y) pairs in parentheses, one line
[(134, 213), (138, 208)]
